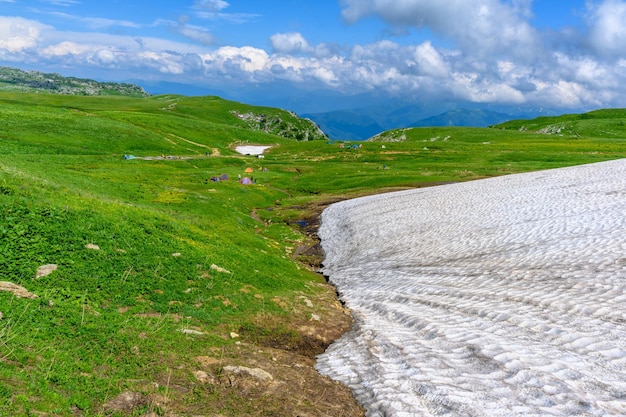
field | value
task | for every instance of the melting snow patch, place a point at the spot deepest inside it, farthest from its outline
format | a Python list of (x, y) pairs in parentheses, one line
[(498, 297), (251, 149)]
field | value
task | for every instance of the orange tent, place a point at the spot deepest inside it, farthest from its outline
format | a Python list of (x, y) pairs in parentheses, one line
[(249, 170)]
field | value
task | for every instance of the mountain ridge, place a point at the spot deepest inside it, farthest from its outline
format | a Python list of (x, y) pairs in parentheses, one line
[(365, 122), (14, 79)]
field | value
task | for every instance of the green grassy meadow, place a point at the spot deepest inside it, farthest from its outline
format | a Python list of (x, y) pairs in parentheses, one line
[(179, 260)]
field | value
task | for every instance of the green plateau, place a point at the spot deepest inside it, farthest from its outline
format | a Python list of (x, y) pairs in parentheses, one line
[(162, 275)]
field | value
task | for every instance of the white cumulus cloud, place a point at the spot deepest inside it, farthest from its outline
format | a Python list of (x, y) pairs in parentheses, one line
[(66, 48), (430, 61), (290, 43), (18, 35), (608, 27), (483, 26), (246, 59)]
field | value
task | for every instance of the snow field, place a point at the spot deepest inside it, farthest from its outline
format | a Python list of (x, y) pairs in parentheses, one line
[(498, 297)]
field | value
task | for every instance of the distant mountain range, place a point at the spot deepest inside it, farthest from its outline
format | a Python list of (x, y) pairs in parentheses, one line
[(466, 117), (166, 87), (360, 116), (346, 124), (363, 123)]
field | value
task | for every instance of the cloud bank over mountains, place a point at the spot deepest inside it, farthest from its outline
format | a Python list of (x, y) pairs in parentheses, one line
[(486, 51)]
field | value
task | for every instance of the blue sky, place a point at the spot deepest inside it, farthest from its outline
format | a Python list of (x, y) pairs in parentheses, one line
[(567, 54)]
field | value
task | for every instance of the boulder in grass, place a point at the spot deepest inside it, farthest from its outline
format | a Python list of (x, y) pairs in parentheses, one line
[(45, 270), (17, 290), (126, 403)]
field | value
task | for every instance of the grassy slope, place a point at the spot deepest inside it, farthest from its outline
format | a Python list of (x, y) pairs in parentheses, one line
[(64, 184), (111, 317), (17, 80)]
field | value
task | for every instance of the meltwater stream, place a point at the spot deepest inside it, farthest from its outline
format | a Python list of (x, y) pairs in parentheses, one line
[(497, 297)]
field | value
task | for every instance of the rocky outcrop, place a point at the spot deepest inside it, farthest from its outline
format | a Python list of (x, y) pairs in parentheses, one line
[(290, 126)]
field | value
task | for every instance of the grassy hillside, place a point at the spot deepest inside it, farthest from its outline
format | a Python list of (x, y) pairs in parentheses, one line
[(14, 79), (165, 278), (606, 123)]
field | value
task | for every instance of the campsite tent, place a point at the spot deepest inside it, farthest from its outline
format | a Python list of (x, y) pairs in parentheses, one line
[(245, 181), (223, 177), (249, 170)]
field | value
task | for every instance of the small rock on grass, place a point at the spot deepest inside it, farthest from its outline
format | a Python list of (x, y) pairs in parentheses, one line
[(126, 402), (258, 374), (16, 290), (220, 269), (192, 331), (204, 377), (45, 270)]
